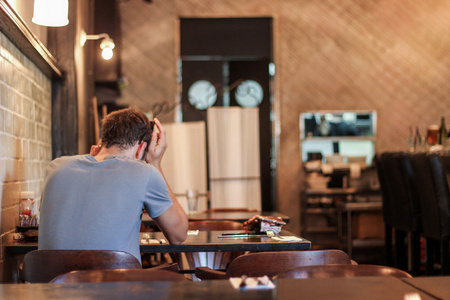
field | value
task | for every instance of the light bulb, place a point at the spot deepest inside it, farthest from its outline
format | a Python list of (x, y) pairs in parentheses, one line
[(107, 53), (107, 46)]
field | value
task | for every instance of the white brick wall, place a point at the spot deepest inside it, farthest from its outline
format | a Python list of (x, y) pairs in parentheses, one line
[(25, 133)]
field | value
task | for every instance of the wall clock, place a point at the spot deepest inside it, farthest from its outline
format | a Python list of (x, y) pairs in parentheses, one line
[(202, 94), (249, 93)]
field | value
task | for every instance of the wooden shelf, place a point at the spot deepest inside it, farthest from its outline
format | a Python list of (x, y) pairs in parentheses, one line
[(339, 191), (324, 215), (322, 229), (321, 210)]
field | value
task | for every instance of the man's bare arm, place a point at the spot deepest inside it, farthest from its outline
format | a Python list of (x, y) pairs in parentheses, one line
[(173, 222)]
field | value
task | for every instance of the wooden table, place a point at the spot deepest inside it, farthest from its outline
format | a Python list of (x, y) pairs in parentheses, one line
[(220, 216), (347, 288), (205, 241), (209, 241), (437, 286), (327, 288)]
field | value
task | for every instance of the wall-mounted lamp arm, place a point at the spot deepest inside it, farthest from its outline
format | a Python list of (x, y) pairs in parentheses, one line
[(84, 37), (107, 45)]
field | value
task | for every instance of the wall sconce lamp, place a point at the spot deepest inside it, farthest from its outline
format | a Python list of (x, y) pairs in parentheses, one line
[(52, 13), (107, 45)]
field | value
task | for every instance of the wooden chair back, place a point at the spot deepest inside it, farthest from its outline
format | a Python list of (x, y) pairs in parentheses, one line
[(114, 275), (271, 263), (41, 266), (325, 271)]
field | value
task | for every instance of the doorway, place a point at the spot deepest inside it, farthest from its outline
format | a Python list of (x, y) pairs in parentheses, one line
[(226, 62)]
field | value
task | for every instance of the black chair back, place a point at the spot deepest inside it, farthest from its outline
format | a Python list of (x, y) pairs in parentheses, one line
[(399, 185), (387, 201), (403, 208), (423, 182), (440, 171)]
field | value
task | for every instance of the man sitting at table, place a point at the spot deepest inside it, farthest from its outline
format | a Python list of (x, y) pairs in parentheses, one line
[(96, 202)]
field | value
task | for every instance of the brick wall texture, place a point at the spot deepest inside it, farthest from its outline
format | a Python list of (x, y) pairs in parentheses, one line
[(25, 134)]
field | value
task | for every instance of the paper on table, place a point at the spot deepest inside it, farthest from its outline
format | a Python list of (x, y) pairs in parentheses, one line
[(150, 241), (193, 232), (289, 238), (252, 283)]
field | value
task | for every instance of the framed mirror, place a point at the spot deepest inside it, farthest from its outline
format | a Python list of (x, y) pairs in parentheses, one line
[(344, 133), (338, 124)]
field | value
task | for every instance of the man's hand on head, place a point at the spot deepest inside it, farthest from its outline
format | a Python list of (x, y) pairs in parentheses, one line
[(158, 146)]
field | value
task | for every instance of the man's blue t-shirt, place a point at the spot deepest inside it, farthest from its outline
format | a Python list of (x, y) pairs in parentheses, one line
[(97, 205)]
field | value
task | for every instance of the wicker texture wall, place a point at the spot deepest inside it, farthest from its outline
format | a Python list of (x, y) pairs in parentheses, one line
[(390, 56)]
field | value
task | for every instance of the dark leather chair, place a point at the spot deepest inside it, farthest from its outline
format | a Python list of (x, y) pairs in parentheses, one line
[(387, 211), (118, 275), (271, 263), (440, 171), (326, 271), (431, 219), (41, 266), (404, 208)]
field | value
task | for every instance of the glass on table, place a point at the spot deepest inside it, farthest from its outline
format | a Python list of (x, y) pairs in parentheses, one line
[(432, 134), (192, 201)]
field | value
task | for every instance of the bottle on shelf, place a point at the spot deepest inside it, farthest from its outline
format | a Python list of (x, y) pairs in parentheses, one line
[(27, 214), (443, 135)]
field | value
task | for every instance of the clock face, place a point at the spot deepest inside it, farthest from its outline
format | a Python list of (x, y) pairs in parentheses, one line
[(249, 93), (202, 94)]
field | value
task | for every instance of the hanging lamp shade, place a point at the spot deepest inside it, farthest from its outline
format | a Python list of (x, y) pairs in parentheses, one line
[(52, 13)]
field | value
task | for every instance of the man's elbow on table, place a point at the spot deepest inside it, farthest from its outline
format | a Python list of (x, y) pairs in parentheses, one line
[(174, 225), (180, 238), (177, 236)]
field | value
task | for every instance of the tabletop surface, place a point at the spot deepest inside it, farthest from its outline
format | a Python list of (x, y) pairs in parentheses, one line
[(210, 241), (232, 216), (438, 286), (204, 241), (324, 288), (367, 288)]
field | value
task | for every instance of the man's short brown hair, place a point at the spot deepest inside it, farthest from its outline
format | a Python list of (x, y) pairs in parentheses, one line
[(125, 127)]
